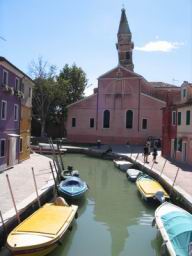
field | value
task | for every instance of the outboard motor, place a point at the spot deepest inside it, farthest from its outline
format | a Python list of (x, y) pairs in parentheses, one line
[(160, 197)]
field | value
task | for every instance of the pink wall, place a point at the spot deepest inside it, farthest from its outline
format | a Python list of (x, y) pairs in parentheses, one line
[(116, 95)]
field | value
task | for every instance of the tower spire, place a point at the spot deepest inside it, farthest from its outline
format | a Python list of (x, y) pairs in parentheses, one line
[(124, 44)]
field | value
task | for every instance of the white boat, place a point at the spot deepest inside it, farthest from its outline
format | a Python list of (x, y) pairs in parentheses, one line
[(132, 174), (46, 148), (123, 165), (175, 226)]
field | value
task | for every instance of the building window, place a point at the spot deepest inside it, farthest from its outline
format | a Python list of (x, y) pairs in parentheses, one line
[(106, 119), (17, 84), (5, 77), (179, 118), (184, 93), (188, 113), (73, 122), (129, 119), (16, 112), (29, 92), (144, 124), (173, 117), (2, 147), (91, 122), (127, 55), (3, 110), (21, 145)]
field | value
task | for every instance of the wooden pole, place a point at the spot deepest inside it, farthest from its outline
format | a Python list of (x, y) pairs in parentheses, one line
[(35, 183), (61, 160), (3, 224), (57, 172), (53, 177), (174, 181), (55, 156), (12, 197), (163, 167)]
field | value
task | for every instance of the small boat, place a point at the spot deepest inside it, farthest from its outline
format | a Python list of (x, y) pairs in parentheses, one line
[(73, 188), (123, 165), (151, 189), (41, 232), (69, 173), (132, 174), (175, 226), (45, 148)]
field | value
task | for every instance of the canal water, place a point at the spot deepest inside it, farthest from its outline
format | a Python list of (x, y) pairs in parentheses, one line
[(113, 219)]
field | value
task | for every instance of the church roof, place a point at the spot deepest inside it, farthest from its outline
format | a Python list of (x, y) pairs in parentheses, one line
[(123, 26), (120, 72)]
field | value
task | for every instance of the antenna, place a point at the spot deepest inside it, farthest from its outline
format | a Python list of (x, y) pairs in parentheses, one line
[(2, 38)]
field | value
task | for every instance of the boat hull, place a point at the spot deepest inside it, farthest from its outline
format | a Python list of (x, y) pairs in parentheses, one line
[(41, 232), (148, 188)]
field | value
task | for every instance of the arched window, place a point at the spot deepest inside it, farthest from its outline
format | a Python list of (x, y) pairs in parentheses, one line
[(106, 119), (129, 119)]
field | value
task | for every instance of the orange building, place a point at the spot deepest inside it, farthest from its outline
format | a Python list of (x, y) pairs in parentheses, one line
[(25, 121)]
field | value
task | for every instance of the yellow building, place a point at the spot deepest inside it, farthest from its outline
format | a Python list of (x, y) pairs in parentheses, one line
[(25, 121)]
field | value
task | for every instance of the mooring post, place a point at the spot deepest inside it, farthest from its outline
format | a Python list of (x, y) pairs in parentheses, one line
[(136, 157), (35, 183), (163, 167), (53, 177), (61, 160), (174, 181), (12, 197), (3, 224)]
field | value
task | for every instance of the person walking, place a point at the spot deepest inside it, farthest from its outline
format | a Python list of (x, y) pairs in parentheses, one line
[(154, 154), (146, 153)]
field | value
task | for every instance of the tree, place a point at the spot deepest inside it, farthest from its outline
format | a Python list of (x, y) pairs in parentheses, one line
[(44, 91), (72, 80)]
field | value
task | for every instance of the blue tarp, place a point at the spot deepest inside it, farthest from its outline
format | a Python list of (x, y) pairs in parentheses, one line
[(179, 229)]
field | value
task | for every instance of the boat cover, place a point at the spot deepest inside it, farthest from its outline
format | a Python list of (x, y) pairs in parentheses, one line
[(178, 226)]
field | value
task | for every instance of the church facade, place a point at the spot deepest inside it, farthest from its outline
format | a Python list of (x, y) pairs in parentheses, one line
[(124, 107)]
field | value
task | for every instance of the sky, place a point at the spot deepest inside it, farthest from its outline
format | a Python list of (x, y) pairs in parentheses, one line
[(85, 33)]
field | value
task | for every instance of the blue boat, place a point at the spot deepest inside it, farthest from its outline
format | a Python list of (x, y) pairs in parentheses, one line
[(73, 188), (175, 226)]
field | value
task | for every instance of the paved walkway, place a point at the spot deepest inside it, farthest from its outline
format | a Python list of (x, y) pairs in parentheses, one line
[(22, 182), (184, 177)]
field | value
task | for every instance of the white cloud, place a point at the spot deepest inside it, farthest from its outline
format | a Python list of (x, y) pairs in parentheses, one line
[(159, 46)]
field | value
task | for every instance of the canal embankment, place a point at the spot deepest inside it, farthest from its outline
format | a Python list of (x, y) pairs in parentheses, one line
[(23, 189)]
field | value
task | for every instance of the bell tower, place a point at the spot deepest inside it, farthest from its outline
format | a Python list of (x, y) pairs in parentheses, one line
[(124, 44)]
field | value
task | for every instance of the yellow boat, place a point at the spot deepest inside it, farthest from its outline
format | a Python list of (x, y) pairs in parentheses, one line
[(41, 232), (150, 188)]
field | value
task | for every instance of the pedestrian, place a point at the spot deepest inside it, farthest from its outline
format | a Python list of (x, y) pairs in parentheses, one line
[(149, 146), (146, 153), (154, 154)]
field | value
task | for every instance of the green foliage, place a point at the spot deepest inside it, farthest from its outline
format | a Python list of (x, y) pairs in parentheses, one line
[(52, 94)]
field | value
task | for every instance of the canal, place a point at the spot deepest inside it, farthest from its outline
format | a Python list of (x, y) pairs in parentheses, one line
[(113, 219)]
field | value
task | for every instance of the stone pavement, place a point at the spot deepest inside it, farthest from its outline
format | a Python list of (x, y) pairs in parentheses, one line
[(22, 182), (184, 178)]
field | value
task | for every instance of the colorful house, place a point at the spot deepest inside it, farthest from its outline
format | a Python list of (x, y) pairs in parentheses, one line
[(25, 121), (125, 107), (11, 94), (177, 137)]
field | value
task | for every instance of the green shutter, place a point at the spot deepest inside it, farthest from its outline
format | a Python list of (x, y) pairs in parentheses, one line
[(188, 117), (179, 118)]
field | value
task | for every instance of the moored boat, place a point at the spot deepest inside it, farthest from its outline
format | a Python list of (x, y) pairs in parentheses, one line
[(123, 165), (149, 188), (69, 173), (41, 232), (175, 226), (73, 188), (132, 174)]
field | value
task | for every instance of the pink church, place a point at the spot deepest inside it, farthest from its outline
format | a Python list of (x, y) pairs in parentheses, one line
[(124, 108)]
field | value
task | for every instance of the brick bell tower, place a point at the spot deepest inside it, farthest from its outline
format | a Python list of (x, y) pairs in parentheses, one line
[(125, 45)]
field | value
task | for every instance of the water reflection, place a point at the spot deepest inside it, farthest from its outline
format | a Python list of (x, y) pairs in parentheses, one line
[(113, 220)]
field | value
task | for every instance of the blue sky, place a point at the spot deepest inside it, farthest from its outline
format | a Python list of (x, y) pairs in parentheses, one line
[(85, 32)]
